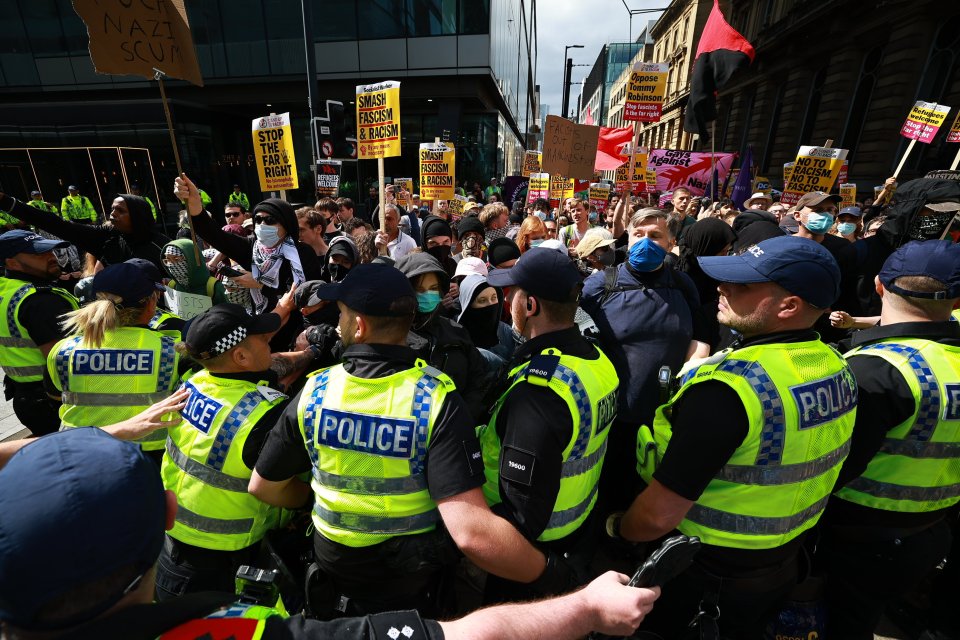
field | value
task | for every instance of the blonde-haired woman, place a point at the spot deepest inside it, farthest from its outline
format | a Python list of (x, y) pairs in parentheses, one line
[(112, 366), (532, 232)]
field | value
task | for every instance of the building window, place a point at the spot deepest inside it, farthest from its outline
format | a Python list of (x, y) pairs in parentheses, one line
[(857, 116), (382, 19), (813, 107), (749, 101), (774, 126), (431, 17), (474, 16), (335, 20)]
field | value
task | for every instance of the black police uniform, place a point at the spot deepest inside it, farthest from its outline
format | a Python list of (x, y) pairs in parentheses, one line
[(402, 572), (40, 316), (871, 555)]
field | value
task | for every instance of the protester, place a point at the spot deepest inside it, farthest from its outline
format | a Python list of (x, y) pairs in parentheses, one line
[(189, 276), (759, 201), (342, 256), (481, 309), (849, 223), (596, 249), (551, 227), (438, 242), (502, 253), (391, 241), (329, 210), (572, 234), (681, 200), (495, 219), (470, 234), (311, 224), (346, 210), (532, 232), (709, 237)]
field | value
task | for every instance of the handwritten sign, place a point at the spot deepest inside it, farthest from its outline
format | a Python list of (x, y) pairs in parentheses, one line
[(569, 149), (815, 169), (645, 92), (133, 38), (531, 163), (328, 178), (378, 120), (924, 121), (437, 161), (186, 305), (273, 149)]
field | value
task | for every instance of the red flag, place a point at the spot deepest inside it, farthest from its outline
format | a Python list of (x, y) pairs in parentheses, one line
[(608, 147), (589, 118)]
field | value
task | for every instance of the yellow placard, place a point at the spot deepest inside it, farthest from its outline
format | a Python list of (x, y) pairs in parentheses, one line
[(954, 135), (651, 176), (762, 185), (531, 163), (787, 170), (639, 173), (437, 161), (402, 185), (645, 92), (378, 120), (848, 195), (598, 195), (455, 207), (924, 121), (539, 187), (561, 188), (273, 149), (815, 169)]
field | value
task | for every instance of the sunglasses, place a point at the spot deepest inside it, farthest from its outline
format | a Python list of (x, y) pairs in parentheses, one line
[(234, 214), (270, 220)]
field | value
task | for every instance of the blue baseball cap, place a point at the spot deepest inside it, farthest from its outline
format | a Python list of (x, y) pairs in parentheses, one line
[(371, 289), (799, 265), (23, 241), (542, 273), (851, 211), (937, 259), (126, 280), (78, 506)]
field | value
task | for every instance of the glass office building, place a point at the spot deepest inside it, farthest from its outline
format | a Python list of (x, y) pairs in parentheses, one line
[(467, 71)]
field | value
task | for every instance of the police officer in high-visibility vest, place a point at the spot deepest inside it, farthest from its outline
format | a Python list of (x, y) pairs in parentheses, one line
[(745, 454), (239, 197), (30, 307), (545, 444), (113, 365), (233, 404), (77, 208), (37, 202), (887, 525), (394, 458)]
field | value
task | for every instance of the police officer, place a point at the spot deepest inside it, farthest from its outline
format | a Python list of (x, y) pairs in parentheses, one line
[(393, 456), (544, 446), (239, 197), (886, 527), (210, 454), (97, 582), (36, 201), (746, 452), (77, 208), (30, 306), (113, 365)]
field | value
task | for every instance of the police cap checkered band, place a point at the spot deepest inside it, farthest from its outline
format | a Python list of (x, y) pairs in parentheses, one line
[(222, 327), (229, 341)]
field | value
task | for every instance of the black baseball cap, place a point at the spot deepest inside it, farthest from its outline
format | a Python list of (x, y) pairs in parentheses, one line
[(126, 280), (370, 289), (222, 327), (937, 259), (34, 193), (543, 273), (23, 241)]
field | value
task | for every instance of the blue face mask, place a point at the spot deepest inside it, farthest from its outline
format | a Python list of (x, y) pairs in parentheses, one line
[(646, 255), (428, 301), (846, 228), (267, 234), (536, 243), (819, 222)]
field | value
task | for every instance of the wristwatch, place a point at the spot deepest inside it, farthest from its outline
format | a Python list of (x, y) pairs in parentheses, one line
[(613, 525)]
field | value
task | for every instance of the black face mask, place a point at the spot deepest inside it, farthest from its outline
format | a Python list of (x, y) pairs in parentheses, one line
[(481, 324), (337, 272), (441, 253)]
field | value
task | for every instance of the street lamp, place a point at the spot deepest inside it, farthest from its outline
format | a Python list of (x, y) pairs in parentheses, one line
[(568, 69)]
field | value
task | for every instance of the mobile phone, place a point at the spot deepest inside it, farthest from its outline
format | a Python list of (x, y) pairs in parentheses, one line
[(231, 272), (673, 557)]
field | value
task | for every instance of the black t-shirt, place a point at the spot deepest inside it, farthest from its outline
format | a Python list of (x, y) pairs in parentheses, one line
[(884, 400), (40, 312), (535, 426), (451, 467), (709, 422)]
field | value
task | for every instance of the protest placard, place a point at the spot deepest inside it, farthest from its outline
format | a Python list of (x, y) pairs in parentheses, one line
[(378, 120), (539, 187), (924, 120), (730, 181), (136, 37), (598, 195), (762, 184), (514, 189), (437, 161), (531, 163), (455, 207), (651, 176), (690, 169), (954, 135), (787, 170), (186, 305), (403, 186), (645, 91), (273, 150), (569, 149), (848, 195), (815, 169), (560, 188), (844, 176), (622, 177), (328, 178)]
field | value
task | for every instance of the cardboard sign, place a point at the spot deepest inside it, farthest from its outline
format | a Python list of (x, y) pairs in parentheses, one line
[(402, 185), (569, 149), (954, 135), (273, 149), (645, 92), (690, 169), (621, 176), (328, 178), (133, 38), (531, 163), (186, 305), (924, 121), (560, 188), (815, 169), (598, 195), (455, 207), (437, 161), (378, 120), (539, 187), (848, 195)]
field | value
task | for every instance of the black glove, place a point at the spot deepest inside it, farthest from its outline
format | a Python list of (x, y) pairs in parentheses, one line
[(558, 577), (323, 336)]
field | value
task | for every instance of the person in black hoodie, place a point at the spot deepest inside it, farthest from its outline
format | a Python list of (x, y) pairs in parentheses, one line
[(128, 234), (707, 237), (274, 255), (439, 340)]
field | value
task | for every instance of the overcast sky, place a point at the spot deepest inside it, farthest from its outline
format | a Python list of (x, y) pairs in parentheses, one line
[(592, 24)]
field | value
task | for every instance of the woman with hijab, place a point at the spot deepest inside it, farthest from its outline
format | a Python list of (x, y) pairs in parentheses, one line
[(482, 306), (707, 237)]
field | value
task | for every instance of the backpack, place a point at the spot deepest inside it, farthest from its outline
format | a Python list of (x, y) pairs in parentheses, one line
[(611, 275)]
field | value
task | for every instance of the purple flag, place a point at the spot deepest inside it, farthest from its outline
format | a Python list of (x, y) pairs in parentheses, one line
[(741, 188)]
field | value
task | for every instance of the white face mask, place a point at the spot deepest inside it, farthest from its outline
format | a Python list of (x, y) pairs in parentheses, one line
[(267, 234)]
